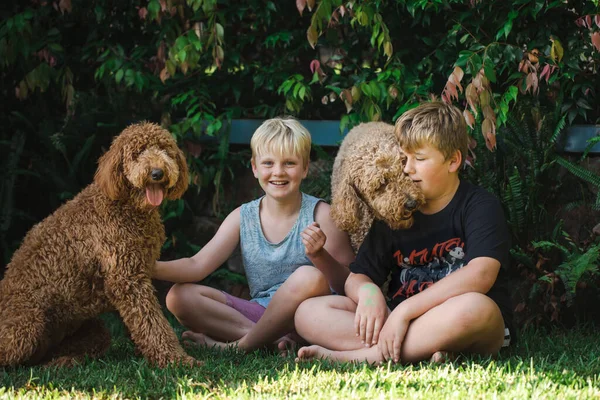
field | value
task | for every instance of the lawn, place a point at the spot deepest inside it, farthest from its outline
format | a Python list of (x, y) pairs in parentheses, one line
[(557, 365)]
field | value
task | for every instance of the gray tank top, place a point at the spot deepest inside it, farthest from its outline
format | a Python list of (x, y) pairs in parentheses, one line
[(268, 265)]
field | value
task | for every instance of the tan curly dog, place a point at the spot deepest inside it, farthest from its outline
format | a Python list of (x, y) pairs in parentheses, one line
[(368, 182), (94, 254)]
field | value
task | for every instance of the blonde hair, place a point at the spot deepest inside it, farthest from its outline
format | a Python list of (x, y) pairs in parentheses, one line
[(436, 124), (281, 135)]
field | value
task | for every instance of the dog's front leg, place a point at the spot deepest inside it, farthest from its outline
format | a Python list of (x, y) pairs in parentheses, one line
[(132, 294)]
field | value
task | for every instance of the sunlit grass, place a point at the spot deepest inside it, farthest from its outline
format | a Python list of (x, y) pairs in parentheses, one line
[(558, 365)]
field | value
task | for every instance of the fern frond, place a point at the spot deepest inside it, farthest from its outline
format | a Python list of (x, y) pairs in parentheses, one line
[(591, 143), (579, 172), (546, 245)]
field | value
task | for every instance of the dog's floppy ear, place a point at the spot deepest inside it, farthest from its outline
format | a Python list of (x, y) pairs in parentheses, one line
[(345, 206), (182, 182), (109, 176)]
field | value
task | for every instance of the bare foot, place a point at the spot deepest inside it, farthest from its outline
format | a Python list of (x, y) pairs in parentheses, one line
[(285, 345), (314, 352), (440, 357), (370, 355), (193, 338), (200, 339)]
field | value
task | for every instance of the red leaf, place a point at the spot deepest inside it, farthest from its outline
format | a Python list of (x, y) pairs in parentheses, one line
[(529, 81), (311, 4), (194, 149), (596, 40), (535, 87), (65, 5), (472, 98), (469, 162), (164, 75), (545, 72), (588, 21), (142, 13), (315, 65), (300, 5), (342, 11), (488, 129), (445, 98), (456, 76), (469, 118), (160, 55), (597, 20), (579, 22), (459, 73), (451, 89), (346, 96)]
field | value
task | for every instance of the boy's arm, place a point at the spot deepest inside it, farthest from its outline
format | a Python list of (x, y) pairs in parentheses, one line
[(208, 259), (336, 254), (479, 275), (371, 309)]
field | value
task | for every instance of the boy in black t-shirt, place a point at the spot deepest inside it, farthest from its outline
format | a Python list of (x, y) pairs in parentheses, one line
[(457, 249)]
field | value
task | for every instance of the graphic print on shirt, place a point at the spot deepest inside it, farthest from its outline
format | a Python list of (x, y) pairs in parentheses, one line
[(422, 268)]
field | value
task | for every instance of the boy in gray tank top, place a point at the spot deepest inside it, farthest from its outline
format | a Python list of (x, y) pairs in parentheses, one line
[(291, 249)]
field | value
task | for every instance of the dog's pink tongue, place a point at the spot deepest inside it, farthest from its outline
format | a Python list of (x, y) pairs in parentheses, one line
[(154, 194)]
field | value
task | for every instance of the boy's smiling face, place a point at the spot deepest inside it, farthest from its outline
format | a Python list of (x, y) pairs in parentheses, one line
[(435, 175), (279, 175)]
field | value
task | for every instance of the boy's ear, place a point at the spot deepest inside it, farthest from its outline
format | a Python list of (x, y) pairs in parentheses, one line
[(455, 161), (253, 164), (305, 174)]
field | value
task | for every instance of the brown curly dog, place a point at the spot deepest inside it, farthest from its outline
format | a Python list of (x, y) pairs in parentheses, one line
[(95, 254), (367, 182)]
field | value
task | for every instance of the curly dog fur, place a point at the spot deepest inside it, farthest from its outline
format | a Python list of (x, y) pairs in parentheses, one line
[(94, 254), (368, 182)]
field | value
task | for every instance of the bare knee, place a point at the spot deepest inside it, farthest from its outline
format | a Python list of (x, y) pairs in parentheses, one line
[(184, 297), (474, 312), (307, 308), (306, 282), (306, 314)]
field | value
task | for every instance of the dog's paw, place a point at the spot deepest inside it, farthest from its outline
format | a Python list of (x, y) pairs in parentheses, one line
[(179, 359), (189, 361)]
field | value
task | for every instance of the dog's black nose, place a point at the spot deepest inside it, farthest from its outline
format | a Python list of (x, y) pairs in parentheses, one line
[(410, 205), (157, 174)]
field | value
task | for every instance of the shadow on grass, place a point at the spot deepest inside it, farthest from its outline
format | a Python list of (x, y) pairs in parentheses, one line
[(561, 356)]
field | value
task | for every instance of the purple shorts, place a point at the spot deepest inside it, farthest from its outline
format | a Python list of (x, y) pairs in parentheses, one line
[(249, 309)]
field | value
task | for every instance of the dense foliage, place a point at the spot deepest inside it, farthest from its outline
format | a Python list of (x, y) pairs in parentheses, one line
[(73, 73)]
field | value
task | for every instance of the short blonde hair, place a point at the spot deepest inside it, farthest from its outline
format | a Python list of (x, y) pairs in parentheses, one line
[(436, 124), (281, 135)]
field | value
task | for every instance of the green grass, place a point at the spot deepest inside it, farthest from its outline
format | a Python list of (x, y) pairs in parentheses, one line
[(558, 365)]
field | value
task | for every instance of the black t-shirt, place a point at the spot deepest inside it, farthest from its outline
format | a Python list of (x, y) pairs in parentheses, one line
[(472, 225)]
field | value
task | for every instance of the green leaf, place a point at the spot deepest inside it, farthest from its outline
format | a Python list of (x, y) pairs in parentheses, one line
[(302, 92), (153, 8), (490, 72), (119, 76)]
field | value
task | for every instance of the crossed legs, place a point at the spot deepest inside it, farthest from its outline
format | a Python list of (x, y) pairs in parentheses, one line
[(205, 312), (469, 323)]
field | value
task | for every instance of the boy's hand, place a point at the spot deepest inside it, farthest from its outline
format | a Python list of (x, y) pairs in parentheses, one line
[(391, 337), (370, 314), (313, 239)]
